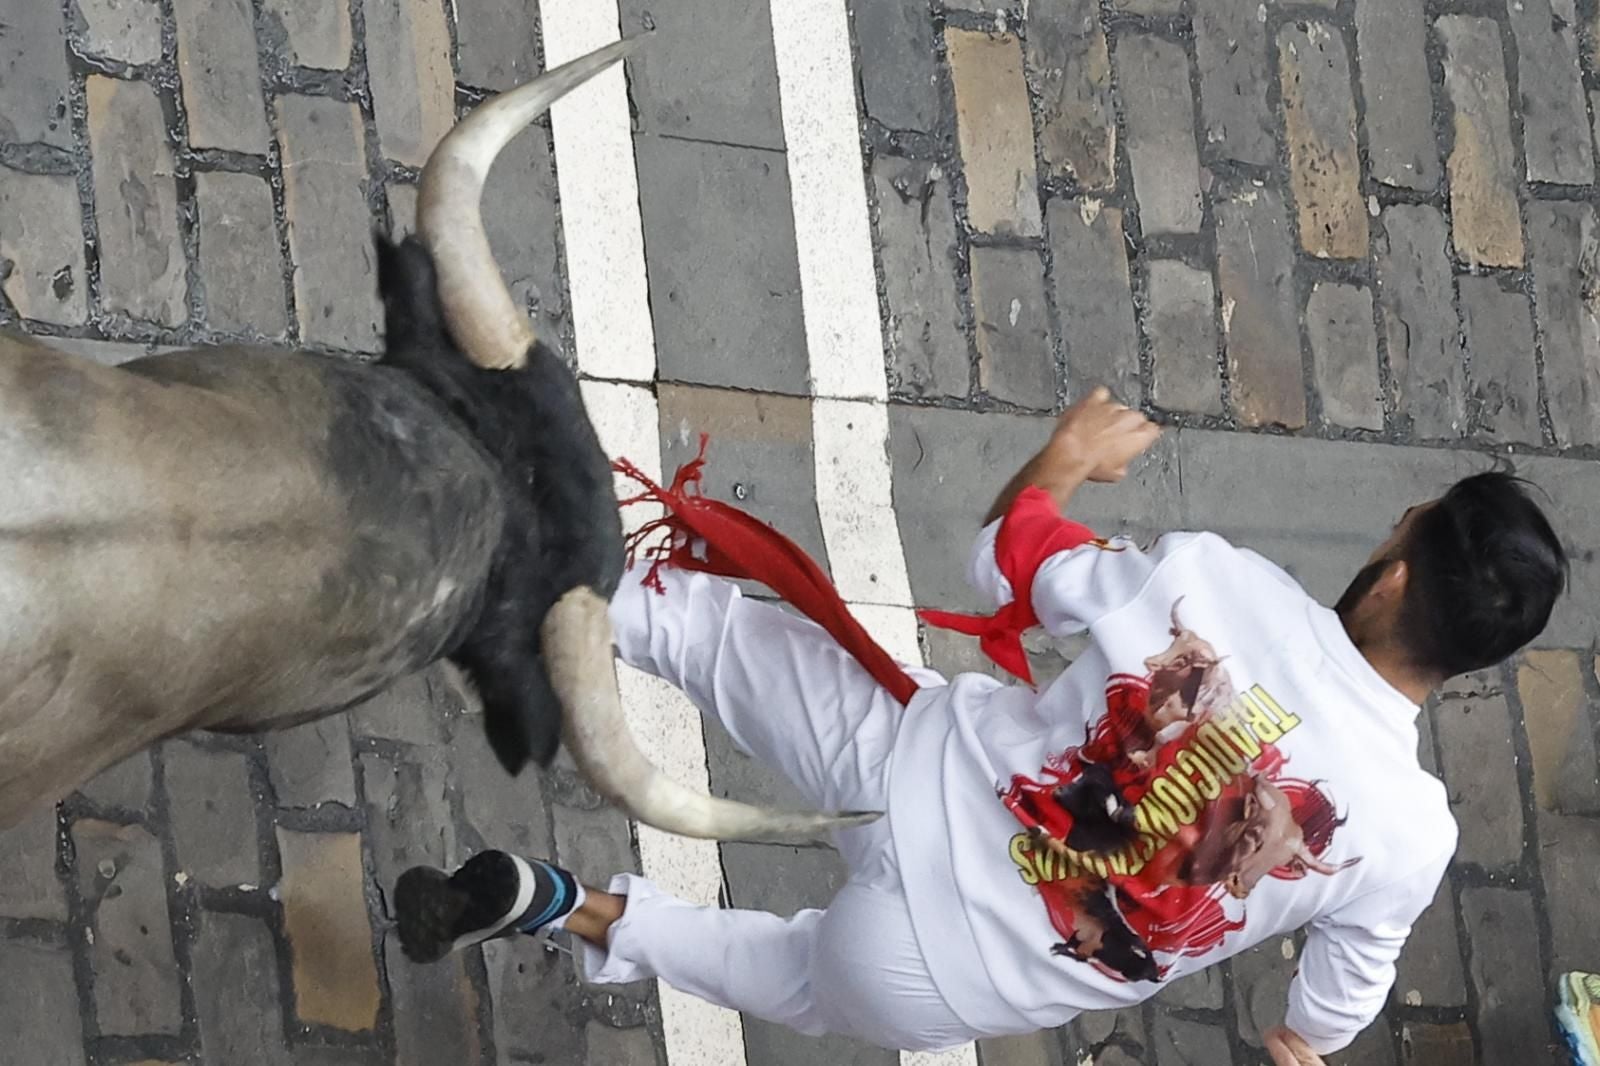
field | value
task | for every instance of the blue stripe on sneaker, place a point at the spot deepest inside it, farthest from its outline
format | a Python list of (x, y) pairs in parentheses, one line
[(553, 910)]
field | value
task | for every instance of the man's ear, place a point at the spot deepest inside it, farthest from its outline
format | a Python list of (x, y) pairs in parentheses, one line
[(1392, 581)]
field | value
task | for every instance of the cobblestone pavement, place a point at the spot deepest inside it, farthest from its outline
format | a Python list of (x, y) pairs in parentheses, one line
[(1341, 246)]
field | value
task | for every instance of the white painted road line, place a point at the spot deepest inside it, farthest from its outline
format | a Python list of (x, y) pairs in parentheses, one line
[(844, 336), (604, 240)]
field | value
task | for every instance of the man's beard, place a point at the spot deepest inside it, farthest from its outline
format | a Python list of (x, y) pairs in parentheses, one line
[(1359, 586)]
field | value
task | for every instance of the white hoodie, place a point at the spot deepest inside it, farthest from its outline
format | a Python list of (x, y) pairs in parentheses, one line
[(1276, 785)]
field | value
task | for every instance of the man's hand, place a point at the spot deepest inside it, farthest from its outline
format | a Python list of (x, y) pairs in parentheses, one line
[(1288, 1049), (1094, 440), (1100, 435)]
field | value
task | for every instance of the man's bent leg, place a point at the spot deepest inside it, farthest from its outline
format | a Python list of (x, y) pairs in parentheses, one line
[(784, 689)]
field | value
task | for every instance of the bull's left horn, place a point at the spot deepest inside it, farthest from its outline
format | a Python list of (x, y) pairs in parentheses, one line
[(483, 318), (577, 648)]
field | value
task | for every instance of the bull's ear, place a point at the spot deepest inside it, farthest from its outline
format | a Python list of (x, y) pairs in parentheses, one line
[(412, 316)]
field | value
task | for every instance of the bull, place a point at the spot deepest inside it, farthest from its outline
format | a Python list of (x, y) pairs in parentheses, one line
[(1246, 836), (242, 539)]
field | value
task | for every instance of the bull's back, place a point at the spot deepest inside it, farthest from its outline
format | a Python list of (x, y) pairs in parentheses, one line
[(222, 538)]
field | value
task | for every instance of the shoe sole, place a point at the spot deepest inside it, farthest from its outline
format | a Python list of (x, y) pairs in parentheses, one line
[(439, 913)]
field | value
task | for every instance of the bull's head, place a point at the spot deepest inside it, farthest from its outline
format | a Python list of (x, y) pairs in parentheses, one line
[(1249, 837), (575, 637)]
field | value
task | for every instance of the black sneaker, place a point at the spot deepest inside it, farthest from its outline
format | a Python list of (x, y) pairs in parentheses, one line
[(495, 894)]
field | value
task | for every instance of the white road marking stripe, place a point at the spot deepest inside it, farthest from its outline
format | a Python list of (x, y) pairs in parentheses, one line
[(604, 240), (844, 338)]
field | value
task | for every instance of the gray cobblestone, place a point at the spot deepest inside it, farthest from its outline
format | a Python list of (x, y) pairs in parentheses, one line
[(41, 236), (125, 785), (1034, 1049), (1099, 1026), (1505, 379), (499, 811), (1429, 972), (221, 77), (1231, 49), (29, 887), (1344, 354), (1015, 361), (128, 31), (1183, 338), (1319, 117), (1567, 846), (1556, 138), (732, 97), (407, 711), (1565, 254), (136, 203), (724, 274), (413, 85), (898, 75), (435, 1008), (1158, 107), (123, 889), (239, 257), (995, 133), (1093, 298), (1070, 66), (408, 816), (1374, 1047), (1197, 991), (1474, 737), (310, 35), (1255, 266), (34, 78), (1148, 7), (312, 764), (213, 819), (497, 43), (1185, 1043), (534, 995), (1422, 1044), (324, 168), (1482, 163), (1261, 978), (1506, 972), (928, 351), (1415, 290), (1391, 35), (519, 213), (610, 1046), (41, 1002), (235, 967)]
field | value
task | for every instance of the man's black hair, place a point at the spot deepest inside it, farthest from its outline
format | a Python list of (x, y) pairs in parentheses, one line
[(1485, 571)]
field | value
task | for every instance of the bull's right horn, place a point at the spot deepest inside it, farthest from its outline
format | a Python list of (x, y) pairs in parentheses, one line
[(577, 640)]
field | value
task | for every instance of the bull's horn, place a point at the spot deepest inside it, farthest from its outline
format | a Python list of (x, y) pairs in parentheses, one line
[(577, 640), (483, 319), (1318, 866)]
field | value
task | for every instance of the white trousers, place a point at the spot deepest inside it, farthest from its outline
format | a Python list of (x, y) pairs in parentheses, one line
[(792, 698)]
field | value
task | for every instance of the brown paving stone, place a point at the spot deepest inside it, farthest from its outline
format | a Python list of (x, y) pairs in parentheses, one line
[(1231, 51), (122, 885), (1417, 294), (1565, 256), (1505, 377), (1015, 361), (324, 168), (330, 938), (1482, 164), (128, 31), (1567, 848), (220, 74), (1070, 68), (995, 132), (1422, 1044), (1344, 354), (1183, 339), (136, 202), (41, 234), (1319, 115), (1556, 139), (1255, 268), (1391, 43), (1506, 973), (1158, 107), (413, 85), (29, 887), (1094, 299), (308, 34), (239, 255), (916, 229), (213, 814), (1558, 716)]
